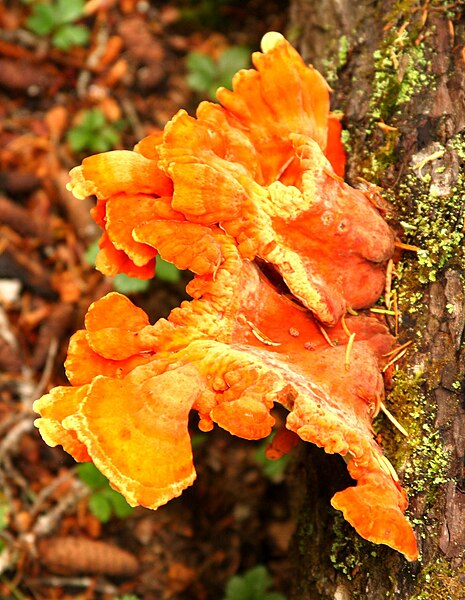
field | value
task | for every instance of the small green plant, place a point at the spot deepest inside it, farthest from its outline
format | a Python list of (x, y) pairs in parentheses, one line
[(207, 13), (104, 502), (205, 75), (94, 133), (165, 271), (252, 585), (5, 510), (57, 19), (124, 597), (130, 285), (271, 469)]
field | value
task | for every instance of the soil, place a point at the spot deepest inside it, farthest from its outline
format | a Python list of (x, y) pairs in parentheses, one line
[(52, 545)]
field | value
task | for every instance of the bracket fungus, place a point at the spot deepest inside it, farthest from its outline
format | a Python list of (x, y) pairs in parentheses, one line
[(248, 195)]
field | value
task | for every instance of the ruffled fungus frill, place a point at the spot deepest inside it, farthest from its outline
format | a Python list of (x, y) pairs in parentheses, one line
[(259, 167), (249, 197)]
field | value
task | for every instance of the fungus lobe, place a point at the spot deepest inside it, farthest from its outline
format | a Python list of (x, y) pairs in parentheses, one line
[(248, 195)]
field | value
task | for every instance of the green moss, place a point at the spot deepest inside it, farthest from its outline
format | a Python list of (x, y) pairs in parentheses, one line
[(428, 465), (438, 581), (402, 70), (348, 550), (305, 531), (345, 138), (421, 458), (335, 61), (377, 162), (457, 143), (435, 221), (437, 227), (343, 51)]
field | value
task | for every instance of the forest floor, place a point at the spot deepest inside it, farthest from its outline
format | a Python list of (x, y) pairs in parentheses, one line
[(63, 532)]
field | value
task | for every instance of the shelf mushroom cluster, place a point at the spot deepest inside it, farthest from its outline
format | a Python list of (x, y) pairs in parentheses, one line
[(249, 196)]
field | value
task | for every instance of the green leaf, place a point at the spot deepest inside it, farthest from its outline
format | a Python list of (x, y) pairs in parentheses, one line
[(130, 285), (213, 89), (122, 283), (252, 585), (94, 133), (93, 119), (68, 11), (105, 501), (91, 476), (91, 252), (272, 469), (99, 144), (119, 505), (4, 514), (42, 20), (67, 36), (198, 439), (79, 138), (100, 507), (230, 61), (198, 82), (258, 580), (197, 62), (201, 70), (166, 271), (105, 139)]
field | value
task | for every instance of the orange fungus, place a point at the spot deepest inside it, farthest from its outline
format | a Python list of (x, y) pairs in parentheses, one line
[(249, 196)]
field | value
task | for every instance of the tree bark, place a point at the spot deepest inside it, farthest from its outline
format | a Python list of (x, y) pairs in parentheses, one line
[(398, 73)]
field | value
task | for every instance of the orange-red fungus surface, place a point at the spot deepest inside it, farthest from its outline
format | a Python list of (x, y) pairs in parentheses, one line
[(249, 196)]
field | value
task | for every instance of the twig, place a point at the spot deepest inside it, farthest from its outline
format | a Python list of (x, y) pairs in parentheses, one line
[(47, 491), (21, 221), (5, 330), (10, 422), (398, 349), (258, 334), (394, 359), (424, 161), (8, 558), (344, 326), (403, 246), (396, 311), (133, 118), (48, 522), (393, 420), (47, 372), (388, 286), (11, 440), (382, 311), (324, 333), (350, 343), (79, 582), (386, 466)]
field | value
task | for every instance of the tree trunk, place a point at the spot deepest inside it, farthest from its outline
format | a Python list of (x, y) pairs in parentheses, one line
[(398, 74)]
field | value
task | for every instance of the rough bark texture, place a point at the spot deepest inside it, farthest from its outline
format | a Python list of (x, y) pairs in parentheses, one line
[(400, 64)]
